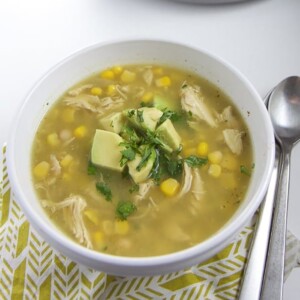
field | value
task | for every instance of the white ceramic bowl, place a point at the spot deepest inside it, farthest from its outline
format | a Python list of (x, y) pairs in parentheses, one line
[(93, 59)]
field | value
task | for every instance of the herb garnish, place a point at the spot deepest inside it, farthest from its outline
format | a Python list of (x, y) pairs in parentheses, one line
[(196, 161), (134, 188), (245, 170), (168, 114), (127, 155), (140, 116), (104, 189), (124, 209), (91, 169)]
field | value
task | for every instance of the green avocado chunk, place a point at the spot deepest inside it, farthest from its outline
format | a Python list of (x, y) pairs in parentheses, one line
[(169, 136), (143, 174), (106, 150), (113, 122), (143, 118)]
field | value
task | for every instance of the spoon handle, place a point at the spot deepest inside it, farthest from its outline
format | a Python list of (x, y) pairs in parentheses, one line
[(254, 270), (272, 287)]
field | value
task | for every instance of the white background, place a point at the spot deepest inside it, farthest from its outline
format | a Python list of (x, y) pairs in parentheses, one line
[(261, 38)]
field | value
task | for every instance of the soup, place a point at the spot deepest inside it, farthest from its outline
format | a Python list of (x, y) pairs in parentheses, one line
[(141, 160)]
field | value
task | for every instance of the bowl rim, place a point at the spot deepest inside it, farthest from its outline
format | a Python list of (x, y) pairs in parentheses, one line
[(171, 258)]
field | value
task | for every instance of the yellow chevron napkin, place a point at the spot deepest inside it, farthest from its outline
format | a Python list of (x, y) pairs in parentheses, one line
[(31, 269)]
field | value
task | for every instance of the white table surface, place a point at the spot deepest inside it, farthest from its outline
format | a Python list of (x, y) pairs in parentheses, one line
[(261, 38)]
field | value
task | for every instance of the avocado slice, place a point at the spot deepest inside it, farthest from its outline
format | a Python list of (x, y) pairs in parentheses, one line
[(143, 118), (169, 136), (113, 122), (106, 150), (143, 174)]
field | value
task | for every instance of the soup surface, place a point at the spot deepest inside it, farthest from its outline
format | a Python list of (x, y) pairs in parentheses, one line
[(141, 160)]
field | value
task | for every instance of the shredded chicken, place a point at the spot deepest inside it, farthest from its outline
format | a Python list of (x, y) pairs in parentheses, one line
[(55, 165), (88, 102), (143, 190), (197, 185), (79, 90), (233, 139), (93, 103), (73, 207), (148, 76), (187, 180), (192, 102), (122, 90), (227, 116)]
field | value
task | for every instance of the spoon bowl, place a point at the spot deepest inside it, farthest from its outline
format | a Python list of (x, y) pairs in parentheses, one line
[(284, 108)]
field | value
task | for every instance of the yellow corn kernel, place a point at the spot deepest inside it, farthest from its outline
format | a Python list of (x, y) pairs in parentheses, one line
[(230, 162), (66, 160), (80, 131), (98, 240), (117, 70), (111, 90), (41, 170), (96, 91), (158, 71), (202, 149), (169, 187), (121, 227), (108, 74), (215, 157), (189, 151), (68, 115), (92, 215), (108, 227), (53, 139), (214, 170), (128, 76), (164, 81), (147, 97)]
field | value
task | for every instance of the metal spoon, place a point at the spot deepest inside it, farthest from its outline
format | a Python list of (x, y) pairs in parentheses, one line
[(250, 287), (284, 109)]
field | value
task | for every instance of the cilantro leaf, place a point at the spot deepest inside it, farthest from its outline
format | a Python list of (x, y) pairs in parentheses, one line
[(168, 114), (127, 155), (140, 116), (91, 169), (245, 170), (145, 158), (134, 188), (195, 161), (124, 209), (104, 189), (174, 167)]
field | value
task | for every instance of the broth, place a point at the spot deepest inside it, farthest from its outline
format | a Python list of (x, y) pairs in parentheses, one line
[(180, 131)]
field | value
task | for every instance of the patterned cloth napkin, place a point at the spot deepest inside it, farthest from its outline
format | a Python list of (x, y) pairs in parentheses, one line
[(31, 269)]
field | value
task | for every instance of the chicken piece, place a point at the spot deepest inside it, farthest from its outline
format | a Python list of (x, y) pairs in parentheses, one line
[(192, 102), (227, 116), (143, 190), (73, 207), (79, 90), (197, 185), (88, 102), (55, 165), (187, 180), (233, 139)]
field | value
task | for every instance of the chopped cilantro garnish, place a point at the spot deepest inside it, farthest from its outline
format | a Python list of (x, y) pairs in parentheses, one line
[(104, 189), (174, 167), (195, 161), (131, 113), (91, 169), (127, 155), (168, 114), (124, 209), (245, 170), (145, 158)]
